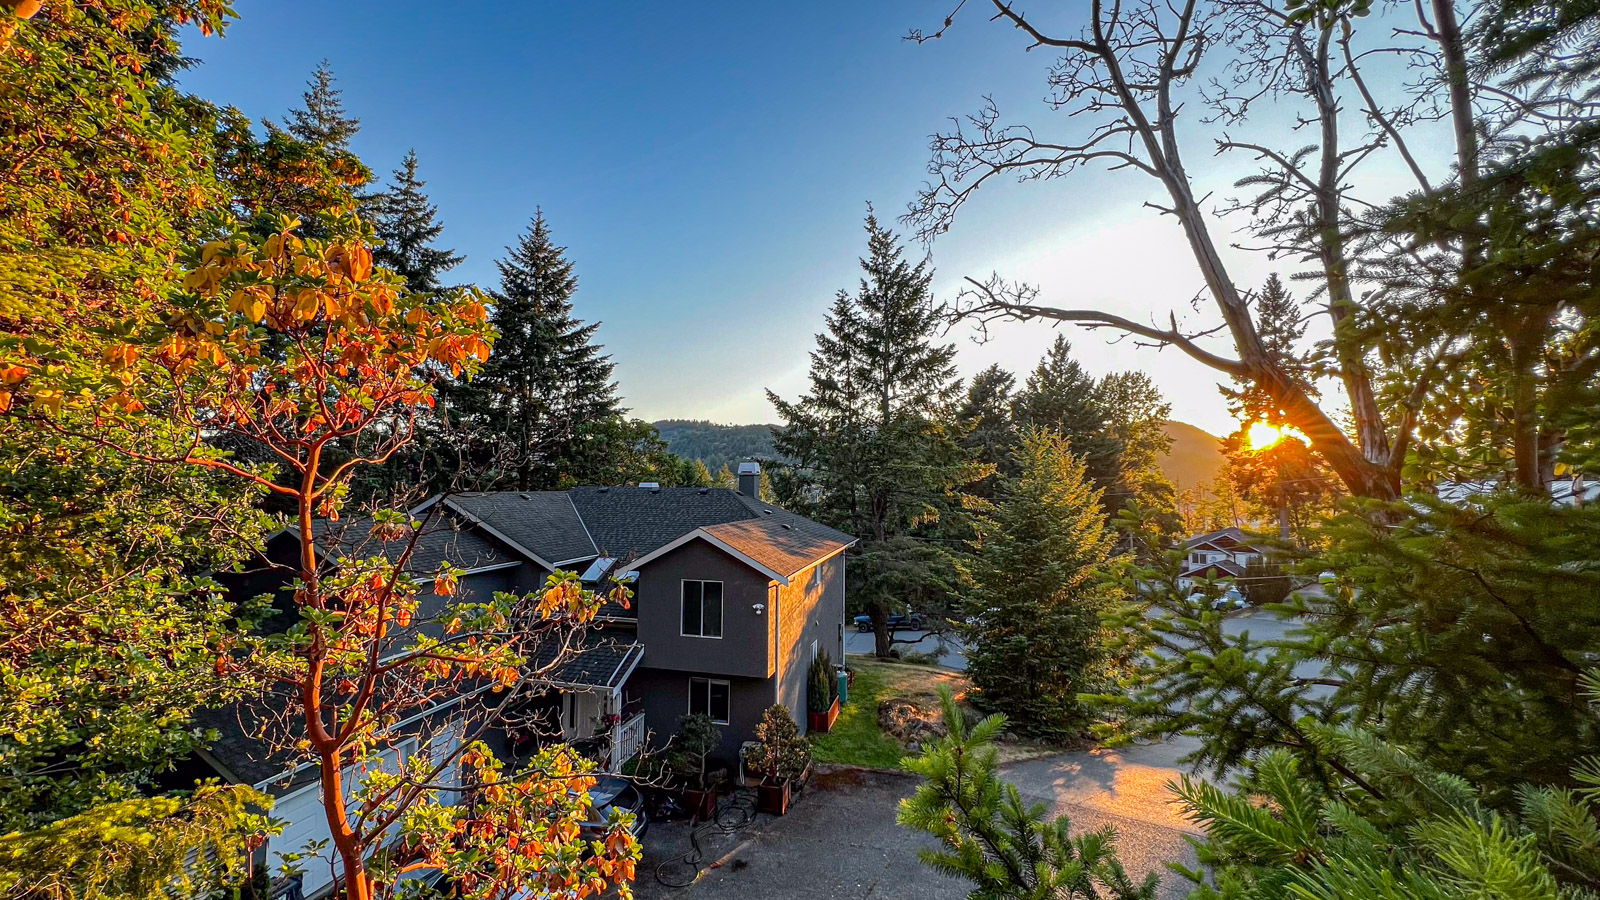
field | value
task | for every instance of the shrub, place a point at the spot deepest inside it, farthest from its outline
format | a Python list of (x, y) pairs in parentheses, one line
[(823, 687), (697, 738), (784, 752)]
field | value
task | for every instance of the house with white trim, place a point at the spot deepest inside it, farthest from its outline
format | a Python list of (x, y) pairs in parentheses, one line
[(1220, 555), (733, 599)]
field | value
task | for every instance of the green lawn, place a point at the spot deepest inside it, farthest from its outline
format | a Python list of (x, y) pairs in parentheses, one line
[(856, 739)]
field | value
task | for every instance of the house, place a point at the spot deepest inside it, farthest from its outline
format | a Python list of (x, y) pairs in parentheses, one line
[(1224, 554), (733, 599)]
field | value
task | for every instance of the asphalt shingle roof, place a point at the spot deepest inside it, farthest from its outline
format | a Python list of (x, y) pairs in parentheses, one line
[(1224, 537), (241, 743), (600, 661), (544, 522), (784, 543), (444, 537), (632, 521)]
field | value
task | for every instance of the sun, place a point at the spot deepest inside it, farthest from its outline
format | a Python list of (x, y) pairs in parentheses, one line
[(1262, 435)]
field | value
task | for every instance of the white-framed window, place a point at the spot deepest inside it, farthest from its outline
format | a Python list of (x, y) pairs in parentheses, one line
[(816, 650), (710, 696), (702, 609)]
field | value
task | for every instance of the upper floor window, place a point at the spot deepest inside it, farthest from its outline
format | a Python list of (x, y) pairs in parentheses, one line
[(702, 609)]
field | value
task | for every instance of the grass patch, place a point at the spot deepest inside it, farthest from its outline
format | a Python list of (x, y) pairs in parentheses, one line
[(856, 739)]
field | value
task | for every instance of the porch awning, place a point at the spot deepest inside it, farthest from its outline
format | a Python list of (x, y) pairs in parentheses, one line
[(598, 663)]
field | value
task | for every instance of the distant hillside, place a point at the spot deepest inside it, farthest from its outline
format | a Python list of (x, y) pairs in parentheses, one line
[(1196, 457), (716, 445)]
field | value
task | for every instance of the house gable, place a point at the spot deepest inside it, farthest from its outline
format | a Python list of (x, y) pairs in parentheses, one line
[(745, 645)]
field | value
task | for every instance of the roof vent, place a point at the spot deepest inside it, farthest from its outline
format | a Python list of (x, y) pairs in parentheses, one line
[(788, 526), (525, 496), (650, 485), (603, 490), (704, 491)]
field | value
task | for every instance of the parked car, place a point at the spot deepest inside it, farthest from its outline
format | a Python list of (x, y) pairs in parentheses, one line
[(897, 622), (608, 793), (1232, 598)]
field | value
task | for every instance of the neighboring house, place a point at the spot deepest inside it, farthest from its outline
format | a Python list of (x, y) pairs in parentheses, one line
[(1220, 555), (733, 599)]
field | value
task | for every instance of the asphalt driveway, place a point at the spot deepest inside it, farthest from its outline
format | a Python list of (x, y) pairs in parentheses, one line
[(840, 838)]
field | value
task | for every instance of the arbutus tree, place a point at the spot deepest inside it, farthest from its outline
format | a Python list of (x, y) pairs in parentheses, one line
[(1436, 258), (302, 346)]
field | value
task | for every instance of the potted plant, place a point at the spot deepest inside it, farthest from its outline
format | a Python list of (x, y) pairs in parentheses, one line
[(697, 738), (822, 695), (783, 760)]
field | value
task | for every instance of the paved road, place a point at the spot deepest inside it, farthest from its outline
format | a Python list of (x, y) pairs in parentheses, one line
[(1266, 626), (948, 647), (951, 655)]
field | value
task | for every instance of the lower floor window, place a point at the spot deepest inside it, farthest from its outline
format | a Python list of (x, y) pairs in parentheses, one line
[(709, 696)]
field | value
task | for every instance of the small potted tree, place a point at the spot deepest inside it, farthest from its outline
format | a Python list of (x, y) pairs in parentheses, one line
[(822, 695), (783, 760), (697, 738)]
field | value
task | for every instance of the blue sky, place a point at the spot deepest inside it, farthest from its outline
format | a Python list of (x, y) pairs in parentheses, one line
[(708, 166)]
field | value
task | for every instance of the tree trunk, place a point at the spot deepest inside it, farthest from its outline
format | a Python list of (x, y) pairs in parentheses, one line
[(1526, 456), (356, 883), (882, 639)]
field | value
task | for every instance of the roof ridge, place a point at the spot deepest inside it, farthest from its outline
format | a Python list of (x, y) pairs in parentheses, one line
[(578, 514)]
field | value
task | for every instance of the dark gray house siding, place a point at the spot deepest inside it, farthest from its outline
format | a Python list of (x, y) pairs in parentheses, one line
[(745, 648), (664, 697)]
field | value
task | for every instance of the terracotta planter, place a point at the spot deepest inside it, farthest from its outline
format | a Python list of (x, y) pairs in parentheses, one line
[(822, 722), (700, 804), (774, 796)]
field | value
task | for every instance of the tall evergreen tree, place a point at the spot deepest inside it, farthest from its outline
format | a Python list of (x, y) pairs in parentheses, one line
[(1136, 415), (872, 441), (548, 382), (406, 224), (988, 430), (322, 120), (1041, 570), (1060, 396), (1282, 324)]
